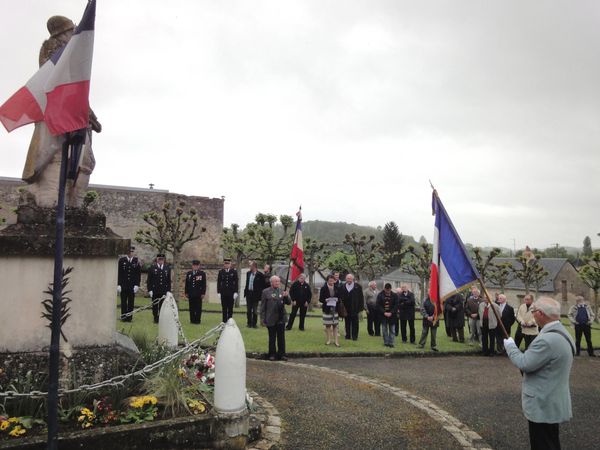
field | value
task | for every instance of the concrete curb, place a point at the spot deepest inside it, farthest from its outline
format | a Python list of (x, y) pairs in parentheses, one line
[(270, 421)]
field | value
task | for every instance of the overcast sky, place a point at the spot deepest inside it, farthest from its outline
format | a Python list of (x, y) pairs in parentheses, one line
[(346, 107)]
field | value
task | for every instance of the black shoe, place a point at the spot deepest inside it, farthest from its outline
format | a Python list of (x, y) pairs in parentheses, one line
[(355, 339), (271, 358), (283, 358), (378, 335), (287, 329), (346, 337), (301, 329), (434, 349)]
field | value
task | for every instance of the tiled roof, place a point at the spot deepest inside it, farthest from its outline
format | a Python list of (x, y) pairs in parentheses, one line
[(552, 266)]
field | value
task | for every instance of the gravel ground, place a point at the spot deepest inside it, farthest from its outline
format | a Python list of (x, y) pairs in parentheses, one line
[(319, 411), (326, 411)]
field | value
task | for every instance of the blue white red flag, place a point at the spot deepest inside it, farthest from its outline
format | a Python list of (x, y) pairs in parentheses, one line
[(297, 256), (451, 267), (59, 91)]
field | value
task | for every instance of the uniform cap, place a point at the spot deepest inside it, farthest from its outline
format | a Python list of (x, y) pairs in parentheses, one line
[(195, 262), (227, 260), (160, 255)]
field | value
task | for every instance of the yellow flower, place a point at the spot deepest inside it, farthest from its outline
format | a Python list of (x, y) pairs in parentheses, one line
[(81, 418), (17, 431), (4, 425), (181, 373), (87, 425), (13, 420)]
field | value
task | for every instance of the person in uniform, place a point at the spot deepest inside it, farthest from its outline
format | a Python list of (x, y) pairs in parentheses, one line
[(255, 283), (227, 288), (128, 281), (301, 295), (195, 289), (159, 283)]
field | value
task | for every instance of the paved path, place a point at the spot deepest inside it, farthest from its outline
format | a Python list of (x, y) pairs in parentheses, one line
[(427, 403)]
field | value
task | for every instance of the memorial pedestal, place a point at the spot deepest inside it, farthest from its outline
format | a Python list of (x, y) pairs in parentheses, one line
[(27, 267)]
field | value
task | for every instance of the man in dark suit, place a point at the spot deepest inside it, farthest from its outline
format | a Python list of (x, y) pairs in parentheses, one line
[(406, 311), (227, 288), (158, 283), (255, 283), (301, 294), (195, 289), (351, 294), (128, 280), (273, 316), (507, 317)]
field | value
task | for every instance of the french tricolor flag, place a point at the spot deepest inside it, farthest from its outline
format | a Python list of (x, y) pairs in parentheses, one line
[(451, 267), (297, 256), (59, 92)]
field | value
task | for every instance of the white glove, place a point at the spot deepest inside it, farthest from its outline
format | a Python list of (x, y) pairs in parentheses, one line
[(118, 289), (510, 342), (169, 293), (219, 295), (150, 294), (136, 289), (235, 296)]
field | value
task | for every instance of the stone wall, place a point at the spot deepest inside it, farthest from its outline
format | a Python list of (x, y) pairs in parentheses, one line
[(124, 208)]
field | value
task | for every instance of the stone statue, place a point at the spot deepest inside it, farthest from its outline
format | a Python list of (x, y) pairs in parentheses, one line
[(42, 166)]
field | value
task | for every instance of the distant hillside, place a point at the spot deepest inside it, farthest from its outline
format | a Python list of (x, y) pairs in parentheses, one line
[(324, 231)]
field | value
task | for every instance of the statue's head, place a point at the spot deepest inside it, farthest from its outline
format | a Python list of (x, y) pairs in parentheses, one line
[(59, 24)]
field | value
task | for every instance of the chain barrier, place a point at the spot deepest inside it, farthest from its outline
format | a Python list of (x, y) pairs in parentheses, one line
[(119, 381), (142, 308)]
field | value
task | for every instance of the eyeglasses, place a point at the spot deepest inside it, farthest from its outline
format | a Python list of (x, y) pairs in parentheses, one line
[(533, 310)]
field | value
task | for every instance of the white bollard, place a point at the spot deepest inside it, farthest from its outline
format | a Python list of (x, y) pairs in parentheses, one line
[(167, 325), (230, 371)]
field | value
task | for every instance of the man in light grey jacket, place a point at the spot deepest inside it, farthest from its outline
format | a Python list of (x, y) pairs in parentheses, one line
[(546, 367)]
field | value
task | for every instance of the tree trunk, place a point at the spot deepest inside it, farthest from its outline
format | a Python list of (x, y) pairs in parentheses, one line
[(238, 265), (596, 305), (175, 276)]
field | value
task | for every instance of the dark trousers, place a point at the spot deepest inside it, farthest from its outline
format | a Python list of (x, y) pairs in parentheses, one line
[(586, 330), (500, 338), (251, 312), (424, 334), (488, 338), (295, 309), (458, 334), (277, 333), (227, 306), (351, 327), (373, 321), (543, 436), (396, 325), (411, 327), (528, 340), (127, 300), (195, 309), (156, 306)]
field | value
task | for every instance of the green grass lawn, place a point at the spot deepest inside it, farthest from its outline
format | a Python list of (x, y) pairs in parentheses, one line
[(311, 340)]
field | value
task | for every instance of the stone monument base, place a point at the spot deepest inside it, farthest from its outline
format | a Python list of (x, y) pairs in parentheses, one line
[(27, 261)]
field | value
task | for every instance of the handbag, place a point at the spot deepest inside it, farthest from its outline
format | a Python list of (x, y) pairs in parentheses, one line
[(341, 310)]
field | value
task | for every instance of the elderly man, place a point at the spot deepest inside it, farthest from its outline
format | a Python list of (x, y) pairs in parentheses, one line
[(373, 322), (527, 326), (507, 317), (546, 367), (489, 323), (301, 295), (255, 283), (406, 313), (273, 316), (351, 295), (472, 313), (582, 316)]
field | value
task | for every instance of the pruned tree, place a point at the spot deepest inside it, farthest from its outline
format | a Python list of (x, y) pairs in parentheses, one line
[(529, 271), (341, 262), (419, 264), (501, 275), (368, 255), (265, 242), (236, 245), (484, 263), (170, 229), (315, 257), (590, 275)]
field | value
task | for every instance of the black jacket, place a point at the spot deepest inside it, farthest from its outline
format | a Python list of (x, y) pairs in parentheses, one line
[(393, 306), (324, 295), (159, 280), (454, 311), (195, 284), (227, 282), (406, 305), (300, 293), (130, 273), (258, 286), (508, 317), (354, 301)]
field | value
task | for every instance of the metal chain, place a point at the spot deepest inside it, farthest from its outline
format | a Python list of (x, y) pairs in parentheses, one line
[(120, 380), (142, 308)]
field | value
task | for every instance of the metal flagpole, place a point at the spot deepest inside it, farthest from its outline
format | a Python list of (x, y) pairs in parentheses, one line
[(287, 277), (53, 361)]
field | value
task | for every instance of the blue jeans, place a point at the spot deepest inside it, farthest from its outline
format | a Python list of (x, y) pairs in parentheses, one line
[(388, 330)]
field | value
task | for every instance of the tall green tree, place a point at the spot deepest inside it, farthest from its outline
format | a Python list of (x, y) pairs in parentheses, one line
[(483, 263), (590, 275), (393, 245), (270, 245), (419, 264), (587, 247), (529, 271), (169, 230)]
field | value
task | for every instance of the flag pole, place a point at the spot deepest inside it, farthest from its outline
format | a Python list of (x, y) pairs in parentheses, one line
[(287, 277), (487, 297), (53, 359)]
